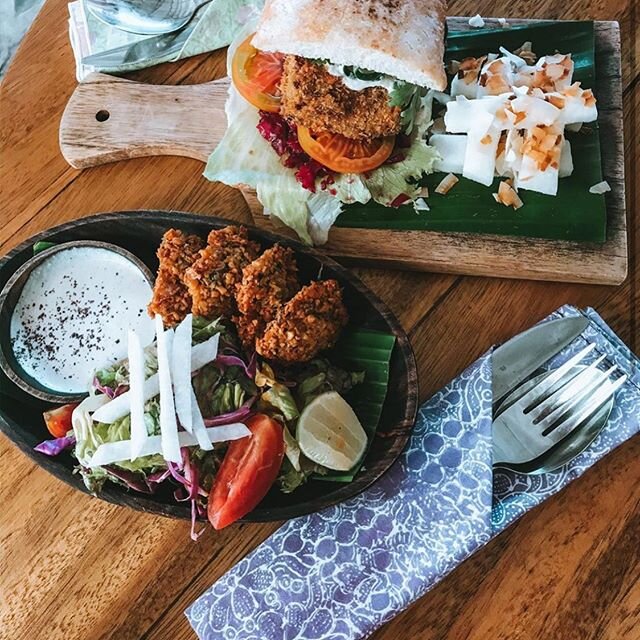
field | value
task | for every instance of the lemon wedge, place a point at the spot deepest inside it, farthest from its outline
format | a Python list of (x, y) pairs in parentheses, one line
[(330, 434)]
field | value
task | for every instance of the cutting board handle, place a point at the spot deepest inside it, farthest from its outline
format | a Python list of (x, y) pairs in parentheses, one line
[(109, 118)]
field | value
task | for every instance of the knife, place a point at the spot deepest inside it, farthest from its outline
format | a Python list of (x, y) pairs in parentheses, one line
[(518, 358), (141, 51)]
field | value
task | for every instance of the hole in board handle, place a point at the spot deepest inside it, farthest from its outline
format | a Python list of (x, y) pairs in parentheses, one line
[(102, 115)]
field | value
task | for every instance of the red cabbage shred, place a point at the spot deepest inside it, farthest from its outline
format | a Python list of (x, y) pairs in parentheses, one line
[(283, 138)]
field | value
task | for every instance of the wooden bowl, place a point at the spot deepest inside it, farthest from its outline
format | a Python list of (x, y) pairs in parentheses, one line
[(9, 297), (140, 232)]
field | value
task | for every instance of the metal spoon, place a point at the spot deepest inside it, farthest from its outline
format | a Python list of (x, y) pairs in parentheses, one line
[(145, 17)]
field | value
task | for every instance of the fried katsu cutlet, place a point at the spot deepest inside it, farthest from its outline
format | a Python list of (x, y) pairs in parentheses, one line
[(171, 299), (315, 99), (267, 283), (310, 322), (212, 279)]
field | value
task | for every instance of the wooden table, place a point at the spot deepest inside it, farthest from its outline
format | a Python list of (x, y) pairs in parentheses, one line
[(74, 567)]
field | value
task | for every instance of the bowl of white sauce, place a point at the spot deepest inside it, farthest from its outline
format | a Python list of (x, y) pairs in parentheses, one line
[(66, 312)]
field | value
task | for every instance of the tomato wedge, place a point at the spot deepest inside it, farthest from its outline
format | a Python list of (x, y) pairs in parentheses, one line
[(58, 420), (247, 472), (345, 155), (256, 75)]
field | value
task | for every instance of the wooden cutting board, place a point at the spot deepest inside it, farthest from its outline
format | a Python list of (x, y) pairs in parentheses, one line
[(109, 119)]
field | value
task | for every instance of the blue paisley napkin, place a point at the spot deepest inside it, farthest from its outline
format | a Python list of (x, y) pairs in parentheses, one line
[(345, 571)]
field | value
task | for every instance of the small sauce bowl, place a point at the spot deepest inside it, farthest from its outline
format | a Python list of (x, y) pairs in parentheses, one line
[(9, 300)]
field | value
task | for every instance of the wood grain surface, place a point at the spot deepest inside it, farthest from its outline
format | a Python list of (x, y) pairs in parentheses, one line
[(108, 119), (75, 568)]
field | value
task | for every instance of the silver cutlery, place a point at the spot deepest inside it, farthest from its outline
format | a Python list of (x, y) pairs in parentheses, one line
[(551, 410), (515, 360), (145, 17), (144, 50)]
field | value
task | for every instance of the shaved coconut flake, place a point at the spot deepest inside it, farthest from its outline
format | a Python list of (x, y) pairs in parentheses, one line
[(502, 166), (496, 78), (480, 152), (424, 192), (199, 428), (201, 354), (526, 53), (168, 423), (566, 160), (517, 61), (112, 452), (181, 372), (462, 115), (508, 196), (452, 67), (579, 105), (419, 204), (476, 22), (503, 22), (531, 112), (451, 149), (465, 82), (600, 188), (541, 160), (136, 391), (446, 184)]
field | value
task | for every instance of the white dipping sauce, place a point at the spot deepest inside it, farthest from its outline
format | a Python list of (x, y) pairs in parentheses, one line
[(73, 315)]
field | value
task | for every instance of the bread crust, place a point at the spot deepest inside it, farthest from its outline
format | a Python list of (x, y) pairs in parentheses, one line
[(401, 38)]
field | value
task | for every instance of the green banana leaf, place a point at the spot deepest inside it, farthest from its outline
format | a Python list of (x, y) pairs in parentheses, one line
[(574, 214), (368, 351)]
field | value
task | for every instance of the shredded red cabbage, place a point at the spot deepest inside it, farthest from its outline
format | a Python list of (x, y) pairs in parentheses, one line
[(132, 479), (283, 138), (137, 481), (235, 361), (194, 490), (108, 391), (238, 415), (54, 447)]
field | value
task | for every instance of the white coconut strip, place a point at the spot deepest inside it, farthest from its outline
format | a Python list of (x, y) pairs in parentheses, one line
[(541, 161), (566, 160), (462, 114), (136, 392), (168, 422), (201, 355), (451, 149), (181, 372), (576, 105), (480, 153), (513, 152), (199, 428), (112, 452), (600, 188), (530, 112), (496, 78)]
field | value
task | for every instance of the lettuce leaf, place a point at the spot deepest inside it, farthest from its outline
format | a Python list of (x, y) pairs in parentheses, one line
[(392, 180)]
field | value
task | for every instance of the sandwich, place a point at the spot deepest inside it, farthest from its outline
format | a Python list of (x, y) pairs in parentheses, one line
[(330, 104)]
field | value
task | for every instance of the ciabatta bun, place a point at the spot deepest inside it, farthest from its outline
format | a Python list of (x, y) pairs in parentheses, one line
[(401, 38)]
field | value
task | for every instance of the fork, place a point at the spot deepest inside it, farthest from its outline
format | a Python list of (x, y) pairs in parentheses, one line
[(567, 398)]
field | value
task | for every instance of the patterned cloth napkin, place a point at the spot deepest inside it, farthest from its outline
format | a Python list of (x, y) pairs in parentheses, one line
[(217, 25), (347, 570)]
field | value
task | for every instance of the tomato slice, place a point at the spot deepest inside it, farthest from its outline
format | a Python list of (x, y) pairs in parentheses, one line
[(345, 155), (256, 75), (58, 420), (247, 472)]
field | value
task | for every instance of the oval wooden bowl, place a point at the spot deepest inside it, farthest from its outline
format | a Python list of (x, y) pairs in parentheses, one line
[(140, 232)]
